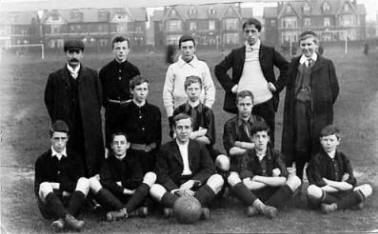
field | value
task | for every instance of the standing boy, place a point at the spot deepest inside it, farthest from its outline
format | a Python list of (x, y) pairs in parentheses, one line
[(59, 181), (263, 183), (237, 130), (122, 186), (184, 166), (253, 69), (311, 91), (330, 174), (73, 94), (202, 117), (187, 65), (142, 123), (115, 77)]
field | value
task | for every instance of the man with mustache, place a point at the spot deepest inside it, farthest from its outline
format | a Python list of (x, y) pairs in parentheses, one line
[(73, 94)]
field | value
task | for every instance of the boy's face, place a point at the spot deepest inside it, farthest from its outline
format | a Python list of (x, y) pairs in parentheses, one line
[(140, 92), (308, 46), (260, 139), (329, 143), (251, 34), (120, 145), (120, 51), (183, 129), (193, 91), (74, 57), (245, 106), (59, 141), (187, 50)]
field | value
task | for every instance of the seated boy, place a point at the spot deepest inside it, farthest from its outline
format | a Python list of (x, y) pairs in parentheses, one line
[(202, 117), (330, 174), (263, 183), (142, 123), (122, 186), (236, 134), (59, 180), (184, 166)]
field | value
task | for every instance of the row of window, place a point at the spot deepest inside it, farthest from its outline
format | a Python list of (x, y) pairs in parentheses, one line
[(56, 29), (344, 20), (324, 36), (227, 24)]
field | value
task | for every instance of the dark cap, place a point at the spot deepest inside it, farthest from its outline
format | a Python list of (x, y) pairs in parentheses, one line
[(73, 45), (59, 126)]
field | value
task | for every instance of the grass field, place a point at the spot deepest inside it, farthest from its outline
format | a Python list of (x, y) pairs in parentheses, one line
[(24, 126)]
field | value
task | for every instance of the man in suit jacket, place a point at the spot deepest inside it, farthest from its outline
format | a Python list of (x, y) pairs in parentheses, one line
[(73, 94), (312, 89), (184, 167), (252, 69)]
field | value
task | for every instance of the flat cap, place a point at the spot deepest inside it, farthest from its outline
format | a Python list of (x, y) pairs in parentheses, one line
[(73, 45), (59, 126)]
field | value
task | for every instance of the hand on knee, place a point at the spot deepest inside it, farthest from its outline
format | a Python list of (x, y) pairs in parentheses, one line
[(44, 189), (94, 184), (149, 178), (314, 192), (82, 185), (222, 162), (293, 182), (233, 179), (215, 182), (157, 191)]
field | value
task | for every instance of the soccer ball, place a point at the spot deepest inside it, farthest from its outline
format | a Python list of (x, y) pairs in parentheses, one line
[(187, 209)]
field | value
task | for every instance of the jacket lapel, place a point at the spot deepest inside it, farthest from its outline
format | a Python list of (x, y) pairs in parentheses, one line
[(191, 153), (66, 77), (176, 152), (318, 64)]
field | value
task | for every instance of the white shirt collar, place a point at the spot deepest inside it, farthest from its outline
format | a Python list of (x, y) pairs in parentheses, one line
[(120, 158), (305, 59), (182, 144), (194, 104), (253, 47), (332, 154), (193, 62), (139, 104), (74, 71), (54, 153)]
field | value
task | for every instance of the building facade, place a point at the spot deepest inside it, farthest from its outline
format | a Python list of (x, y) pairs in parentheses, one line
[(332, 20), (211, 25)]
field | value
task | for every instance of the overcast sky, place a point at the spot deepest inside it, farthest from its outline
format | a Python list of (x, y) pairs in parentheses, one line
[(370, 5)]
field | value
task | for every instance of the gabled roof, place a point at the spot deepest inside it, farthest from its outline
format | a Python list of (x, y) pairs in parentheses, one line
[(17, 18)]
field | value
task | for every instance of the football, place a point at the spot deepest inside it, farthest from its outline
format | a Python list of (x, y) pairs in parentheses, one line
[(187, 209)]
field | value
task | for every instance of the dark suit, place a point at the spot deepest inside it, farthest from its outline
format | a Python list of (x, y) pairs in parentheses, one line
[(169, 165), (324, 91), (78, 103), (268, 58)]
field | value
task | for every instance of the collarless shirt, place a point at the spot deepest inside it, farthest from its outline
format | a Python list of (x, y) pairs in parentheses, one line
[(174, 93), (54, 153), (183, 148)]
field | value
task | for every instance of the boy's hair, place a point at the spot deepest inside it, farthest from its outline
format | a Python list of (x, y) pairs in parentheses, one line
[(330, 130), (181, 116), (191, 80), (309, 34), (260, 126), (120, 39), (243, 94), (119, 133), (185, 38), (137, 80), (59, 126), (252, 21)]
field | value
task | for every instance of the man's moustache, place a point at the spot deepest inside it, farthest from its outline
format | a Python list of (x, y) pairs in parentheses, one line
[(74, 60)]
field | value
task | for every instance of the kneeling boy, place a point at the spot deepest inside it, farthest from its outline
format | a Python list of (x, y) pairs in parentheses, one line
[(330, 174), (184, 166), (122, 186), (59, 180), (263, 183)]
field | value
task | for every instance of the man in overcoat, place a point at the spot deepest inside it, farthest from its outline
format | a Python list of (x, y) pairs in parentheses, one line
[(73, 94), (311, 91), (253, 70)]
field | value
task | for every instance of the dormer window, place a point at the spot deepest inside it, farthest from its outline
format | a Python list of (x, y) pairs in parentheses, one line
[(288, 9), (192, 11), (76, 15), (346, 7), (306, 8), (326, 7), (173, 13), (211, 11)]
